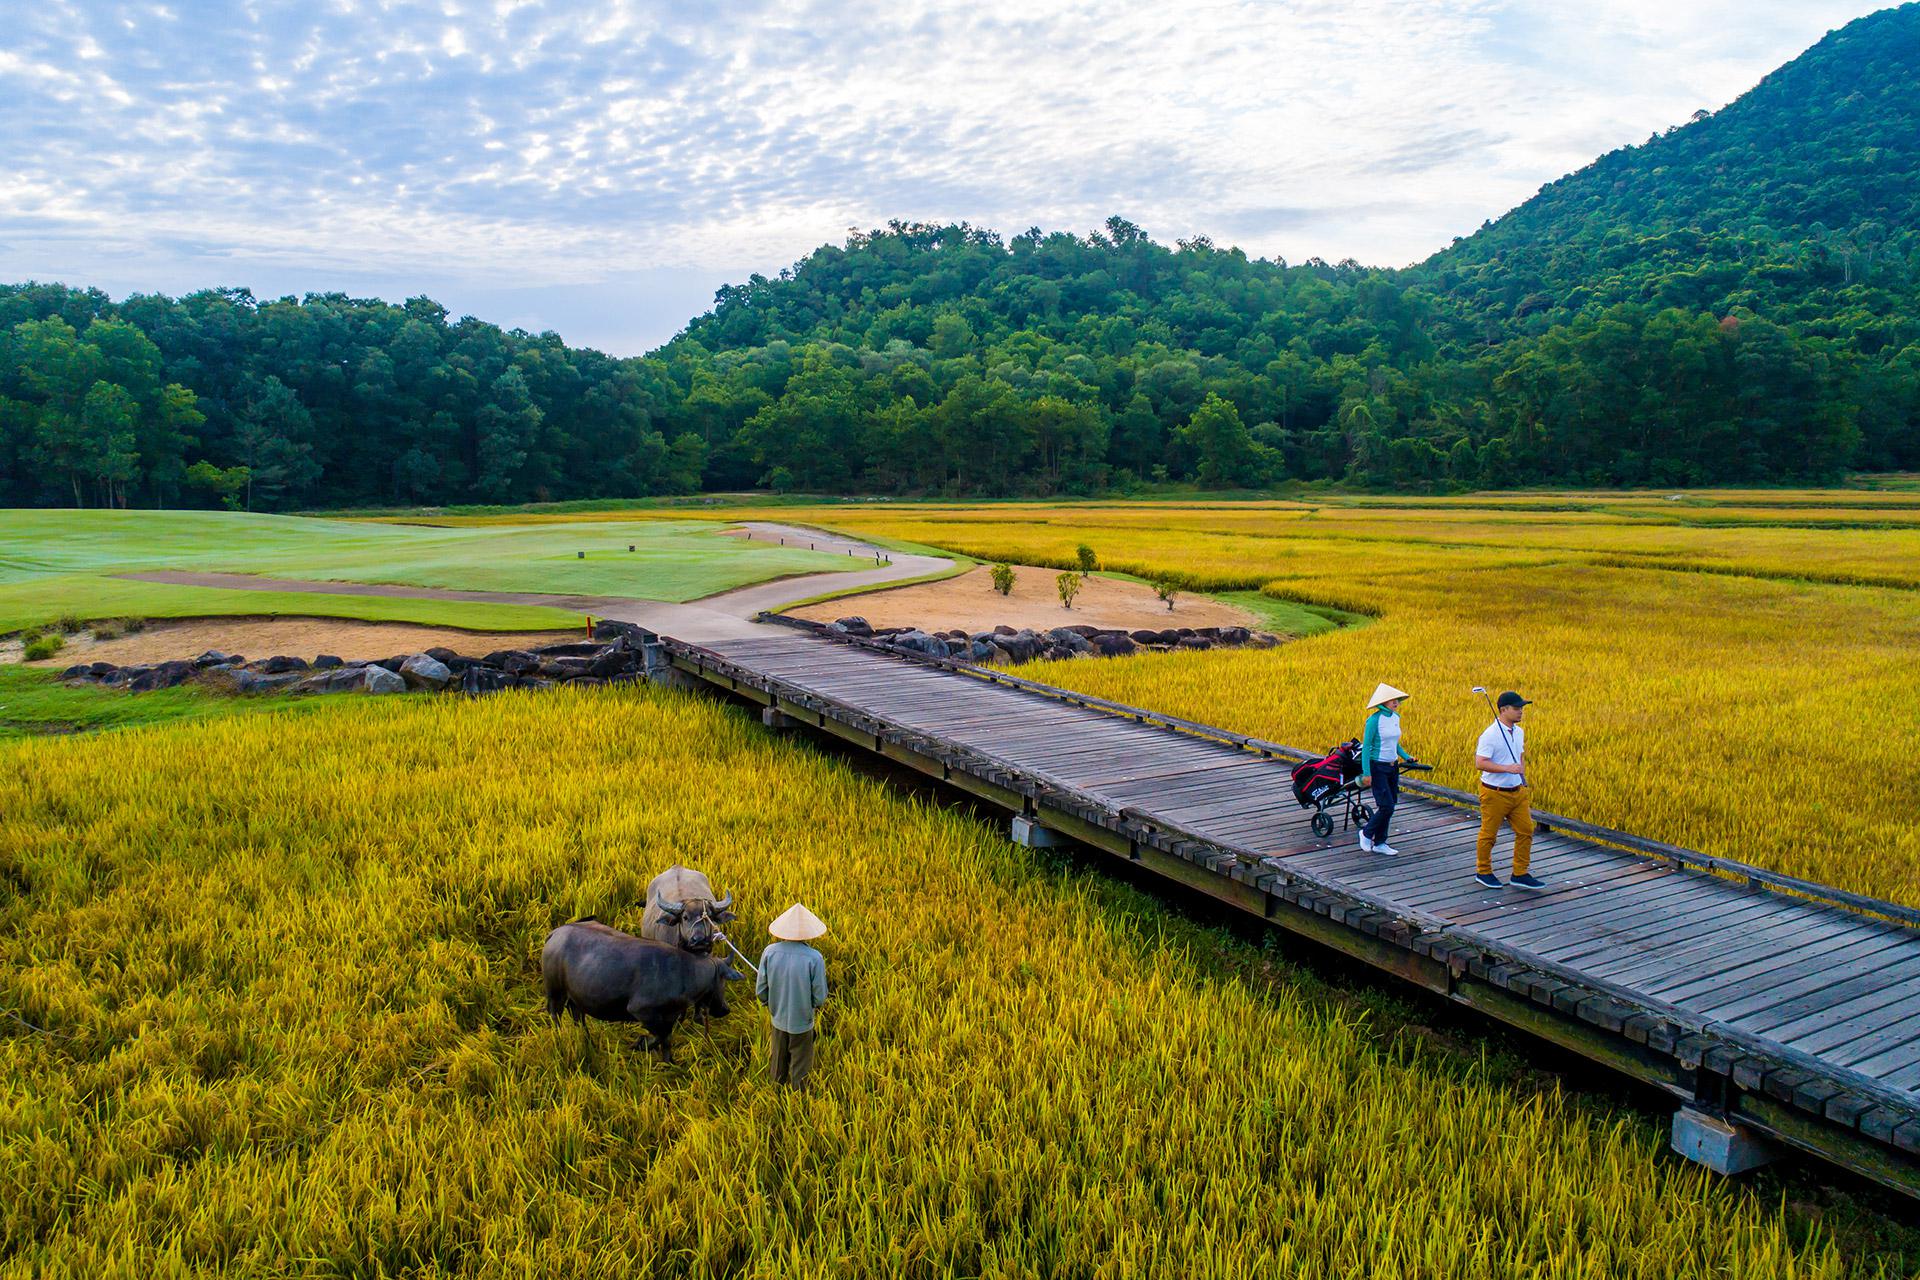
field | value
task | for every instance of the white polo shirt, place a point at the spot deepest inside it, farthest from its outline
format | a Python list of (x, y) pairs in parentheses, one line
[(1503, 746)]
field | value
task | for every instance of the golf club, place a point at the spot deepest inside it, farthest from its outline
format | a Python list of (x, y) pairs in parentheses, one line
[(1482, 691)]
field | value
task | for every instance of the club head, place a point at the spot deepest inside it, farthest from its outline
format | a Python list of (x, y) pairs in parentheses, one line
[(1479, 689)]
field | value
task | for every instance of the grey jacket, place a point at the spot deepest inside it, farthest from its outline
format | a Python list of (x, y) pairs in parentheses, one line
[(792, 984)]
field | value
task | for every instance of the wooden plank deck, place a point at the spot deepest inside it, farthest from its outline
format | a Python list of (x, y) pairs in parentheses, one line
[(1814, 1004)]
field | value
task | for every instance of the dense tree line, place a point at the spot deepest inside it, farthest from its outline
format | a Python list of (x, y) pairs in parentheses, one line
[(1733, 302), (216, 398)]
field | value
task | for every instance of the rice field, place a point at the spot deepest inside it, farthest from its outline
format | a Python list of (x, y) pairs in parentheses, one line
[(1719, 688), (282, 1017)]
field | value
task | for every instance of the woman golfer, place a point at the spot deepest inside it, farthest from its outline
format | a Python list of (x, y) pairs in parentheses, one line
[(1380, 757)]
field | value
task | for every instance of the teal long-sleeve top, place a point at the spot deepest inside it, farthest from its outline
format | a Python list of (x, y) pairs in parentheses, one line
[(1370, 740), (792, 984)]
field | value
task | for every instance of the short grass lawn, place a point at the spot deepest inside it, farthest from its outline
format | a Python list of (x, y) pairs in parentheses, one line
[(56, 564)]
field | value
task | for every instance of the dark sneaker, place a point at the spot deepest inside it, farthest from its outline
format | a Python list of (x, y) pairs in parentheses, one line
[(1527, 882), (1489, 882)]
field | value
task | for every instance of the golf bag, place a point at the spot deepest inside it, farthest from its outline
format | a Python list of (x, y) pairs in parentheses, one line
[(1315, 781)]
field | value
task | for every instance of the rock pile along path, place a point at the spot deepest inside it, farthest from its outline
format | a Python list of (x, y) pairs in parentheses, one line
[(725, 616)]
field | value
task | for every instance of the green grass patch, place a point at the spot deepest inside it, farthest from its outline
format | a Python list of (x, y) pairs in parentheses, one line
[(34, 703), (1291, 617), (36, 601)]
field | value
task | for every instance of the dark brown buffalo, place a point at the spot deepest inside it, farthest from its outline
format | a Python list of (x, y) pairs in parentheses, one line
[(593, 971)]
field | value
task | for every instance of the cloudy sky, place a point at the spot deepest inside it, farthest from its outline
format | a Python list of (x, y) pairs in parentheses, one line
[(599, 168)]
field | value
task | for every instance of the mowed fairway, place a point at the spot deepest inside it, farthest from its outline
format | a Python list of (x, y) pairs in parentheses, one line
[(1720, 681), (59, 563), (285, 1019)]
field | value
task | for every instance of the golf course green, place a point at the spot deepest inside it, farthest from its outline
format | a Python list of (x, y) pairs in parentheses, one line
[(69, 564)]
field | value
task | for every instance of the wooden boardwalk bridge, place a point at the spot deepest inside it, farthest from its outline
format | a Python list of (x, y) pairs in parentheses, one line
[(1776, 1012)]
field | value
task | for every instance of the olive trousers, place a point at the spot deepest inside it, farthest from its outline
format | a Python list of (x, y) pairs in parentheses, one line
[(790, 1056), (1514, 808)]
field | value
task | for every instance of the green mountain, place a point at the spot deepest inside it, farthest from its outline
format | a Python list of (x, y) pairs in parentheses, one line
[(1734, 301), (1799, 201)]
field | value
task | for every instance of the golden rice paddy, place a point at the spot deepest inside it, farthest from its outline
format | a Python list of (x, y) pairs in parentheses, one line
[(285, 1019), (1734, 690)]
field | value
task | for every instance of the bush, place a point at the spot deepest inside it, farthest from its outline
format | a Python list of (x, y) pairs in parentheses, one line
[(105, 631), (1166, 591), (1068, 585), (134, 626), (1088, 561), (41, 647), (1003, 579), (71, 625)]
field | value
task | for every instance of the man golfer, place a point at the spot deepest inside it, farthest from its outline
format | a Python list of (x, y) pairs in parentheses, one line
[(793, 986), (1501, 758)]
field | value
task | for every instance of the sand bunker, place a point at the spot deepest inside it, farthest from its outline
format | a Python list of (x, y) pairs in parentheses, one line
[(970, 603)]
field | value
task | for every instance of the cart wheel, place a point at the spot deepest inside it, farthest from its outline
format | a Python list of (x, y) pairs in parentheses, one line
[(1323, 825), (1362, 815)]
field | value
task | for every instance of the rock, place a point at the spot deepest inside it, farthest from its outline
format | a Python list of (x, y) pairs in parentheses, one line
[(613, 660), (478, 679), (980, 651), (1082, 630), (573, 649), (512, 661), (1195, 642), (327, 662), (83, 671), (279, 664), (1002, 655), (563, 668), (423, 671), (1114, 644), (955, 634), (341, 679), (215, 658), (1210, 633), (1233, 635), (608, 629), (238, 680), (441, 654), (380, 680), (458, 664), (1263, 640), (921, 643), (852, 626), (1004, 630), (1144, 637), (164, 676)]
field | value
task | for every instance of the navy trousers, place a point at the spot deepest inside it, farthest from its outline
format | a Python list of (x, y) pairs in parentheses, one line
[(1386, 794)]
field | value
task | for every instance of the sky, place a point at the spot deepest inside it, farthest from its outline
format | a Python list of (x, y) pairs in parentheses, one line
[(599, 168)]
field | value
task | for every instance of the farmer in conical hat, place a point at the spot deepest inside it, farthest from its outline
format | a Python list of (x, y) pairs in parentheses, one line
[(793, 986), (1380, 757)]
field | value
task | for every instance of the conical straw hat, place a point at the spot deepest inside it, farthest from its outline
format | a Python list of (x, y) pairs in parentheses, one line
[(1385, 693), (797, 924)]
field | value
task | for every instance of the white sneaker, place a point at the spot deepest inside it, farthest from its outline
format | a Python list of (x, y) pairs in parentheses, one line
[(1386, 849), (1366, 845)]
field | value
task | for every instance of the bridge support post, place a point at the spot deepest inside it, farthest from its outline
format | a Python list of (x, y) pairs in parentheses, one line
[(1724, 1146), (777, 720), (1034, 836)]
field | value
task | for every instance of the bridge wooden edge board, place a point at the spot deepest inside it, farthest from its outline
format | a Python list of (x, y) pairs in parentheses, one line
[(1690, 859), (1799, 1101)]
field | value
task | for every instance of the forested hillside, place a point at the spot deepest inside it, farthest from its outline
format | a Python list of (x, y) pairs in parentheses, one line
[(1731, 302)]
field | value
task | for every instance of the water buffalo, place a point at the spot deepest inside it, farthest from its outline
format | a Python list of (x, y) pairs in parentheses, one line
[(593, 971), (682, 911)]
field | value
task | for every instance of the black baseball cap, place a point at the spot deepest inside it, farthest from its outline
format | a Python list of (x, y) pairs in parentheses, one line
[(1512, 699)]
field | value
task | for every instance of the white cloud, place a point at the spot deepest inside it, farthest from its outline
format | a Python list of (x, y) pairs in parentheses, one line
[(527, 144)]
